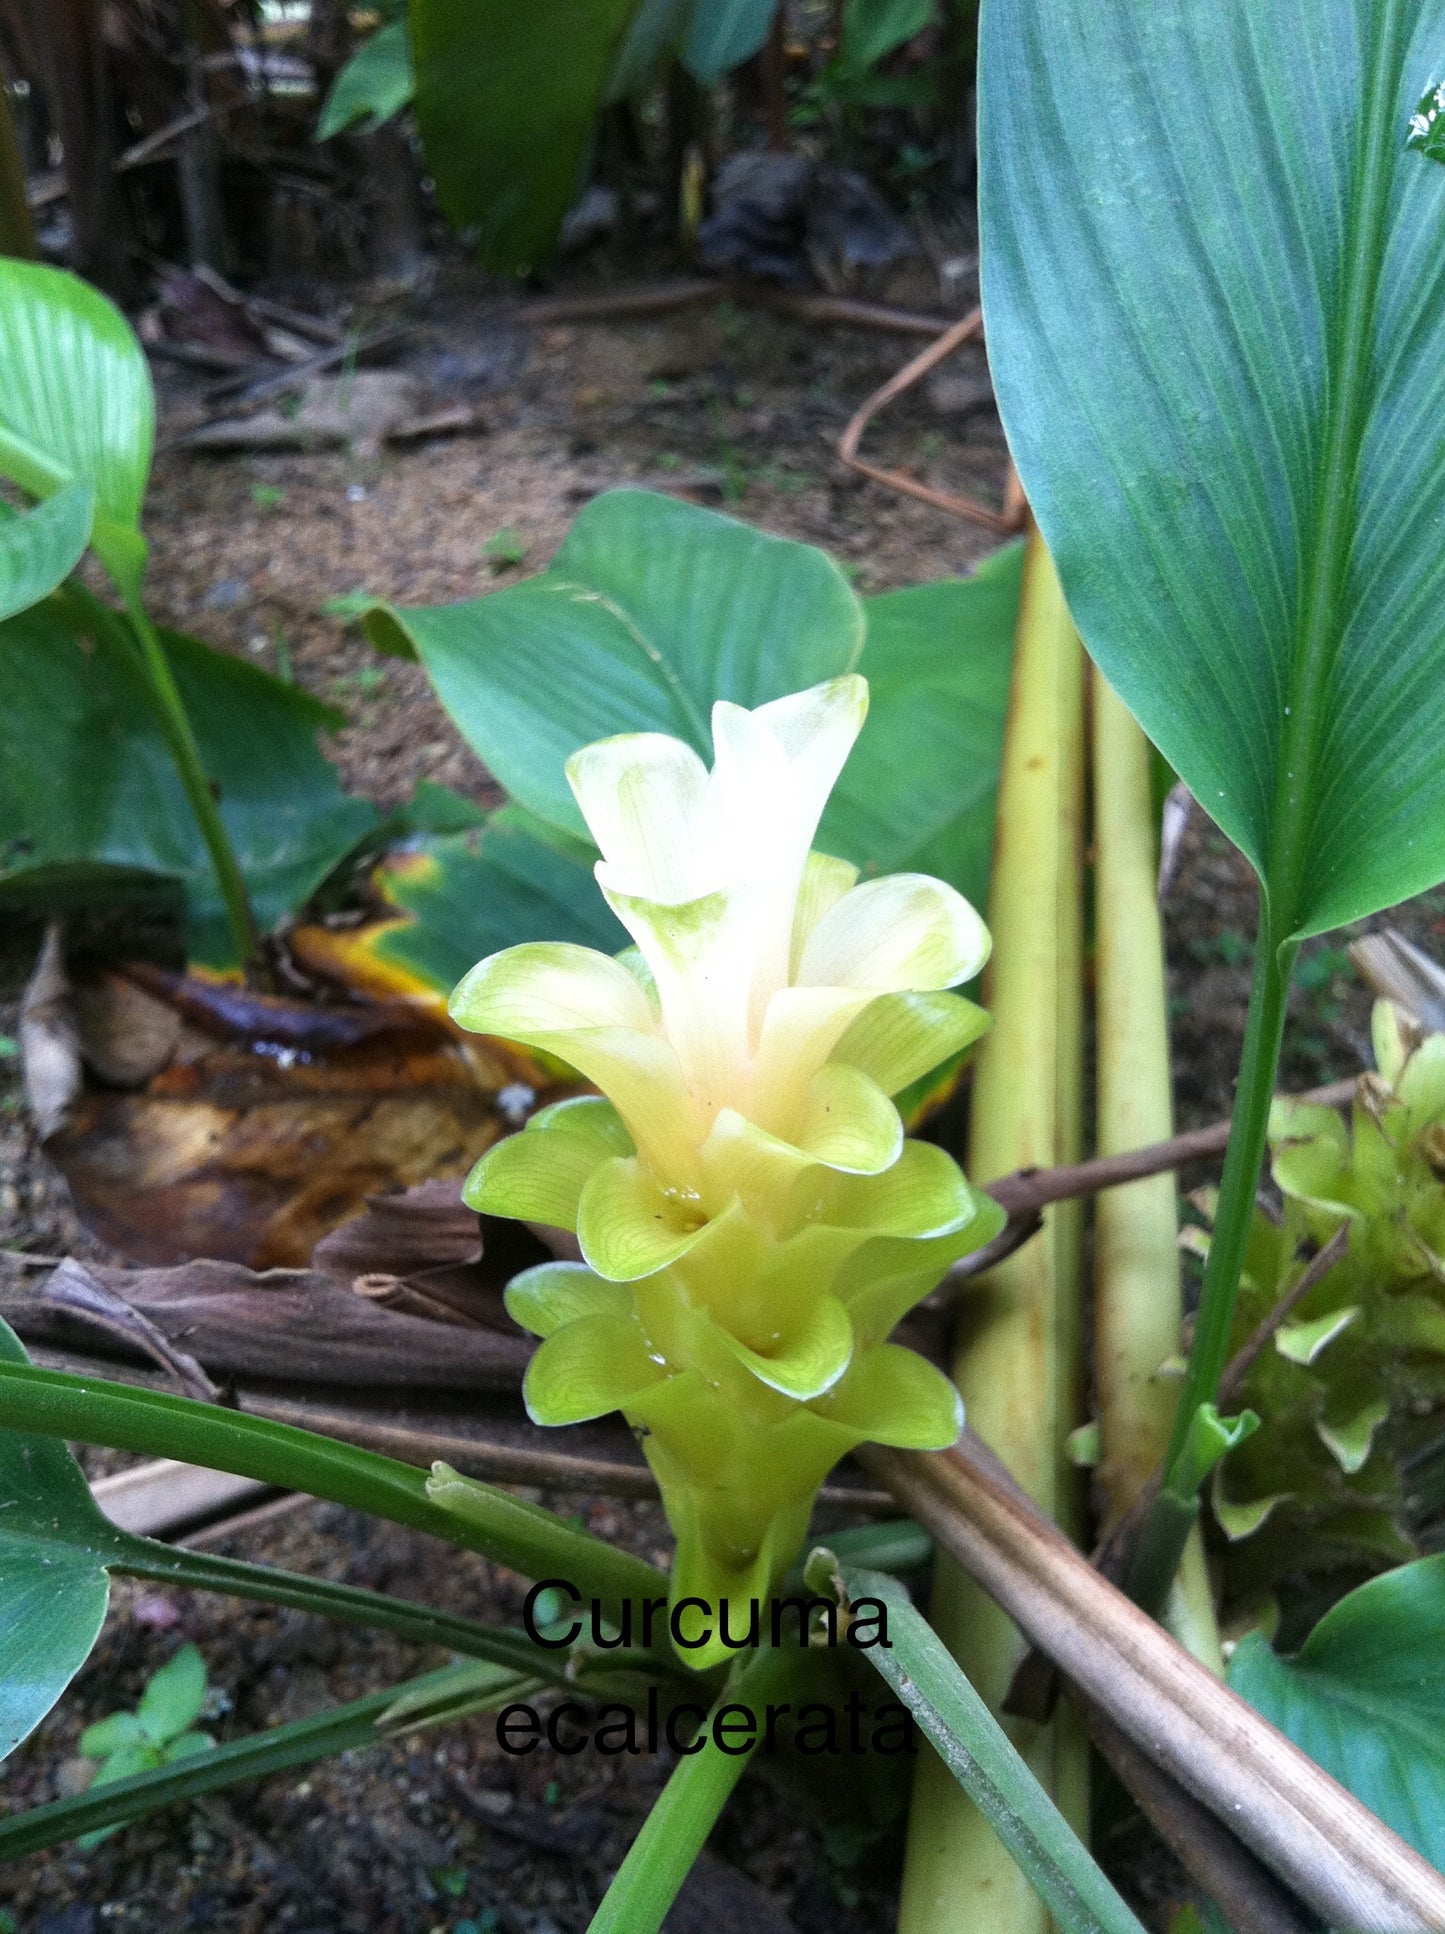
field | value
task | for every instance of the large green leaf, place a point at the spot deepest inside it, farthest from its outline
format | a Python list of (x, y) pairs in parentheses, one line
[(505, 99), (1214, 279), (656, 27), (41, 549), (85, 778), (917, 794), (471, 894), (53, 1585), (375, 84), (75, 403), (1365, 1698), (650, 610)]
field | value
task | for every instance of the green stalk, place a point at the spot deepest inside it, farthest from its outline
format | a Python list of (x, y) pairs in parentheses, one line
[(17, 230), (1138, 1299), (503, 1528), (1166, 1529), (676, 1830), (378, 1611), (1016, 1347), (190, 768), (340, 1730)]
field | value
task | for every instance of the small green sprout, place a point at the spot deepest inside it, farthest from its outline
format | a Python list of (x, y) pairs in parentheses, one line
[(159, 1732), (267, 496), (505, 550)]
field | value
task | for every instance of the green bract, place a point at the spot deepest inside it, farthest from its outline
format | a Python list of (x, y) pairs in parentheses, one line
[(752, 1220), (1354, 1383)]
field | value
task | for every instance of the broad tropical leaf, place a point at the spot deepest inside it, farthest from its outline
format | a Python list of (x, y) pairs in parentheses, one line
[(53, 1583), (1365, 1698), (85, 780), (649, 611), (75, 403), (506, 106), (917, 794), (375, 84), (41, 549), (1214, 279)]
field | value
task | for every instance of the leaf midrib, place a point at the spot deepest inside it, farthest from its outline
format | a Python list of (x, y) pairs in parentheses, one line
[(1318, 631), (654, 655)]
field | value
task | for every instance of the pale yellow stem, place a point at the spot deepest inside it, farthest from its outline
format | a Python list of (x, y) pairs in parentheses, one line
[(1017, 1356), (1138, 1306)]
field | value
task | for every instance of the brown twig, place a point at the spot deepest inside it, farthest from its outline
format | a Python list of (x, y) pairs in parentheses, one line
[(966, 330), (658, 298), (1343, 1862), (1231, 1383), (1028, 1190)]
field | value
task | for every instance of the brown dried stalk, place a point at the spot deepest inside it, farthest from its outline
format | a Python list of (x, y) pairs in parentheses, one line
[(1342, 1861)]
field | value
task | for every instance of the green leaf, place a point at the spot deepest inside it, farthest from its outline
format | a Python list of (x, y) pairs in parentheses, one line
[(42, 548), (53, 1585), (374, 85), (1365, 1698), (1214, 279), (108, 1736), (339, 1730), (477, 1516), (75, 404), (723, 34), (656, 27), (86, 779), (981, 1757), (873, 29), (173, 1697), (918, 792), (471, 894), (650, 610), (506, 114)]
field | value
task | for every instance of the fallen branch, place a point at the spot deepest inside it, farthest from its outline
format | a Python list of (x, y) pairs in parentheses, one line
[(1342, 1861)]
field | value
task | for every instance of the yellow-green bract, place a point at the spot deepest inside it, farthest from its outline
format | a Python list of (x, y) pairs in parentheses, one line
[(753, 1221)]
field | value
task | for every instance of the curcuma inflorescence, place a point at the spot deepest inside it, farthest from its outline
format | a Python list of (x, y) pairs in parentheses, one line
[(752, 1218)]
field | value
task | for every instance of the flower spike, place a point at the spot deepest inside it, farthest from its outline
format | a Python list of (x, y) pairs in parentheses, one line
[(752, 1220)]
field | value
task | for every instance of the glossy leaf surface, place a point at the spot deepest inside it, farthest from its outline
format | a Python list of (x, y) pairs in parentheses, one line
[(649, 611), (917, 794), (75, 402), (1214, 278), (1365, 1698), (53, 1585), (724, 33), (40, 549), (375, 84), (506, 108), (85, 780)]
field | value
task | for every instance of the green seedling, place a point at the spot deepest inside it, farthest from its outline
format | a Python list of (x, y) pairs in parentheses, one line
[(158, 1733), (505, 550)]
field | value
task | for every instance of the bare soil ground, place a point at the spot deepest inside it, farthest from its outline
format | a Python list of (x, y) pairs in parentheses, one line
[(440, 1831)]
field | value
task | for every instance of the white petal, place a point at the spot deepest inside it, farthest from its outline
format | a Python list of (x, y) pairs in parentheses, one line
[(547, 987), (817, 729), (643, 794), (906, 931), (825, 881)]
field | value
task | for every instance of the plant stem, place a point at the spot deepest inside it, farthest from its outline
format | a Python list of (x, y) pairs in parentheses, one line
[(342, 1729), (1167, 1526), (185, 754), (17, 230), (1018, 1323), (503, 1528), (675, 1831), (1138, 1300)]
